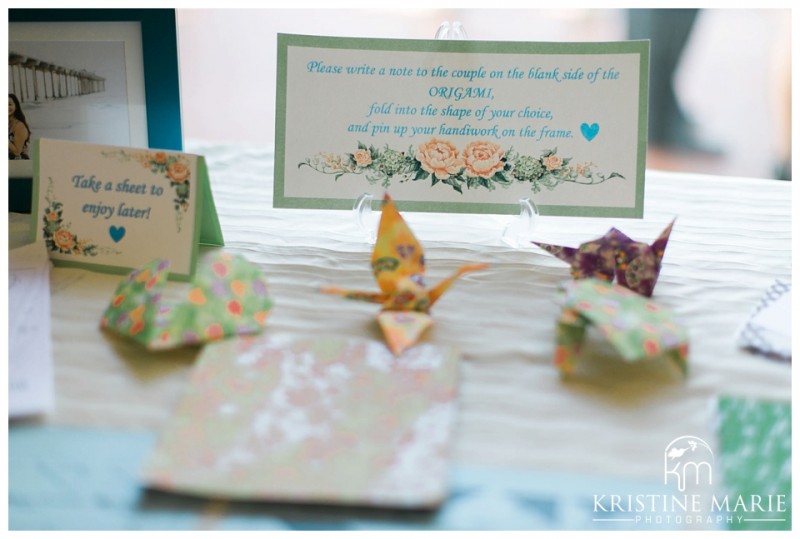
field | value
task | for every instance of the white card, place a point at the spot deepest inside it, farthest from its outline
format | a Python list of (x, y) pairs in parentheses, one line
[(114, 208), (30, 359)]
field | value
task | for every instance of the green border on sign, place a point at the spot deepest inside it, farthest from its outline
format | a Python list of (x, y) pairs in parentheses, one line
[(642, 48)]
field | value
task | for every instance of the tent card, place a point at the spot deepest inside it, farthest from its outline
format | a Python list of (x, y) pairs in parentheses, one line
[(113, 208), (462, 126), (327, 420)]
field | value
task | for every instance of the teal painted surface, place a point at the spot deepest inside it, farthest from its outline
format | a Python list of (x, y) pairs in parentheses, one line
[(87, 479)]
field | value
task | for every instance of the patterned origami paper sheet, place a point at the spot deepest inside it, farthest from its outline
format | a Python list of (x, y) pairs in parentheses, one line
[(755, 438), (637, 328), (326, 420), (229, 296), (769, 328), (634, 264), (398, 263)]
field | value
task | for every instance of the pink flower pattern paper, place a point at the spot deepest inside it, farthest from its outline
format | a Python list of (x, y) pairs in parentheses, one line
[(326, 420)]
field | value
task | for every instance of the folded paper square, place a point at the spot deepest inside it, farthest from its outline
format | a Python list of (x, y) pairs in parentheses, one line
[(634, 264), (637, 328), (769, 328), (327, 420), (228, 296), (398, 263)]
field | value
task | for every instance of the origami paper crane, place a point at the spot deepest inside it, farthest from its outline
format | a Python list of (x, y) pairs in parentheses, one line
[(635, 265), (228, 297), (398, 263), (637, 328)]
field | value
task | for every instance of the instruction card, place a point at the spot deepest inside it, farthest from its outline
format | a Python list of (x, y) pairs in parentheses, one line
[(112, 208), (462, 126)]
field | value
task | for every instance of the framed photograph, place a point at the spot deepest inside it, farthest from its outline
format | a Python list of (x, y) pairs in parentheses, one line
[(105, 76)]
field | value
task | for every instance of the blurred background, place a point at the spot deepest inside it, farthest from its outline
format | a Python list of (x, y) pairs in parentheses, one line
[(720, 95)]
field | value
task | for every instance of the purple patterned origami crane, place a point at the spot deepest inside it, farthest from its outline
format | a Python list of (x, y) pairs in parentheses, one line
[(635, 265)]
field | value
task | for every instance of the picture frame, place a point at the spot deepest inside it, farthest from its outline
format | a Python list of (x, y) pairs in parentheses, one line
[(151, 98)]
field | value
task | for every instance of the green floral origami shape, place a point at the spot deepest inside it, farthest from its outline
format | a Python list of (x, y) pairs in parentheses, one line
[(229, 296), (637, 328)]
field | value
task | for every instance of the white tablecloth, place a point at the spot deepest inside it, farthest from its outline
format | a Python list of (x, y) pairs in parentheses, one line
[(731, 240)]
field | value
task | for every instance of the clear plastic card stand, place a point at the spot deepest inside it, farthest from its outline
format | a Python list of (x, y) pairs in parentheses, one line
[(516, 233), (452, 30), (366, 220)]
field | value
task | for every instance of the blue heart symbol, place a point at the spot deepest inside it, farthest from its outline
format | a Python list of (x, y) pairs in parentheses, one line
[(116, 233), (589, 131)]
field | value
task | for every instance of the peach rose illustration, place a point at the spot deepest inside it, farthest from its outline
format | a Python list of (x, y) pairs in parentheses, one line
[(552, 162), (362, 157), (64, 240), (160, 157), (333, 160), (440, 158), (178, 172), (52, 216), (483, 158)]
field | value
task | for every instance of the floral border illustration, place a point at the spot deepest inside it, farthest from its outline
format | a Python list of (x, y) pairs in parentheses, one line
[(481, 164), (57, 235), (171, 166)]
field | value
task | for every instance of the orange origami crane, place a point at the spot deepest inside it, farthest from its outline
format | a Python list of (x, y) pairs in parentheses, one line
[(398, 263)]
